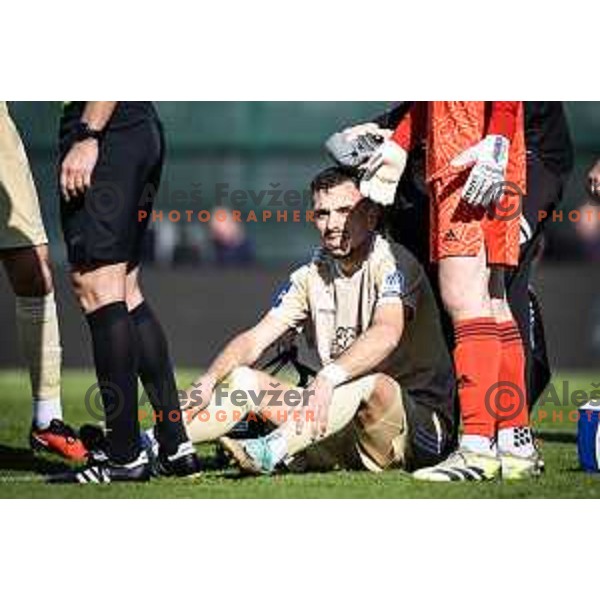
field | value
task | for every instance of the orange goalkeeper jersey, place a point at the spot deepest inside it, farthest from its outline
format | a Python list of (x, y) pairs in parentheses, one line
[(451, 127)]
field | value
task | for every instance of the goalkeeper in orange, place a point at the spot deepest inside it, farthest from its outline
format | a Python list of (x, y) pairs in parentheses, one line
[(476, 179)]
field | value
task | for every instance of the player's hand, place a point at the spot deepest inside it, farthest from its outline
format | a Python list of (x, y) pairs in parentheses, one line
[(319, 395), (594, 181), (77, 168), (383, 173), (351, 133), (489, 159), (205, 387)]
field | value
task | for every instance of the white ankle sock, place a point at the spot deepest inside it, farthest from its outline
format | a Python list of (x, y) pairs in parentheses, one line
[(46, 410), (479, 444)]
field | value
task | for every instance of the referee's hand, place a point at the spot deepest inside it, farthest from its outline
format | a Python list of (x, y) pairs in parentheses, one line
[(77, 168), (594, 181)]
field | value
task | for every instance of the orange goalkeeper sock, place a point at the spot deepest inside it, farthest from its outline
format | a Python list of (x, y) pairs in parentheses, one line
[(477, 363), (513, 408)]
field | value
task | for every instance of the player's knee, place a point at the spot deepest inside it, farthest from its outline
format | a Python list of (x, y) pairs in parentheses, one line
[(383, 397), (29, 271), (461, 303), (243, 378), (94, 292)]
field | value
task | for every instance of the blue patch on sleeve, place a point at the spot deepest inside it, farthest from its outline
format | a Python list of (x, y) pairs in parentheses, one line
[(280, 293)]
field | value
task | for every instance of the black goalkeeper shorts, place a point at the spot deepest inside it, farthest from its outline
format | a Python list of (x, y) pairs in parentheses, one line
[(103, 225)]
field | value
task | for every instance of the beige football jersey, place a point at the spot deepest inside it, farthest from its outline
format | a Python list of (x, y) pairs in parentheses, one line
[(334, 310)]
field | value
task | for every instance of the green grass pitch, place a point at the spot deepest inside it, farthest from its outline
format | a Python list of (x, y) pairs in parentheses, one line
[(19, 470)]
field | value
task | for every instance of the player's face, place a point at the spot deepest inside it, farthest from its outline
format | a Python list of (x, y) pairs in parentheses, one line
[(342, 218)]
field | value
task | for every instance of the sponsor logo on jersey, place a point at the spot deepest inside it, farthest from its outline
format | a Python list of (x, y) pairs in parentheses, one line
[(450, 236), (344, 338)]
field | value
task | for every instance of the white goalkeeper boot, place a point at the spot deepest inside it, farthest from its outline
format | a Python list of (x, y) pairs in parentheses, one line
[(465, 464)]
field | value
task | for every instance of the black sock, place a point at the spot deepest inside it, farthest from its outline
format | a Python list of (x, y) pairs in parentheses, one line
[(115, 355), (156, 372)]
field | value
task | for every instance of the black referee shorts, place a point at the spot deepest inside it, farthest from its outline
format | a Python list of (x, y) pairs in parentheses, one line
[(102, 226)]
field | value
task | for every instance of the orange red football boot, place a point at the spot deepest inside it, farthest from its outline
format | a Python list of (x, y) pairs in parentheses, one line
[(60, 439)]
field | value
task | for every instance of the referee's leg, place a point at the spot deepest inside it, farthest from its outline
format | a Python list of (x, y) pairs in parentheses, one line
[(101, 291), (155, 368)]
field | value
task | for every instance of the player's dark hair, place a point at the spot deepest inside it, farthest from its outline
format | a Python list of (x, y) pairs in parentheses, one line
[(332, 177)]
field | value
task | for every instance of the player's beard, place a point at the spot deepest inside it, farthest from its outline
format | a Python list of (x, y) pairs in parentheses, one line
[(347, 255), (337, 245)]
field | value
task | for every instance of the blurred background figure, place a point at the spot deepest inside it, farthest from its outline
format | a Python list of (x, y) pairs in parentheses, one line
[(231, 245), (594, 180), (588, 233), (163, 243), (588, 230)]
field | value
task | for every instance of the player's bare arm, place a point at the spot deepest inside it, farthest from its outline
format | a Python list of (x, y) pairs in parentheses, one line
[(371, 349), (243, 350), (376, 344), (79, 163)]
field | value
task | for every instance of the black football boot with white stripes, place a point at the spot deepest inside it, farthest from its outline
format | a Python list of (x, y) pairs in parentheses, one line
[(184, 463), (100, 469)]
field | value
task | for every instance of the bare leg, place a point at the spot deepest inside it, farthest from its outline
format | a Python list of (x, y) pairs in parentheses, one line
[(245, 390)]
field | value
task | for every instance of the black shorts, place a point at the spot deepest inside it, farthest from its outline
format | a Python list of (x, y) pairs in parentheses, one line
[(102, 226)]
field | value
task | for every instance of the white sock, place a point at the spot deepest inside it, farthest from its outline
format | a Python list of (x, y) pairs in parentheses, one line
[(39, 337), (45, 410), (479, 444), (278, 445), (517, 441)]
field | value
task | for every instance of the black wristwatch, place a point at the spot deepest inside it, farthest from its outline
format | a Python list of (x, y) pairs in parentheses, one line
[(84, 132)]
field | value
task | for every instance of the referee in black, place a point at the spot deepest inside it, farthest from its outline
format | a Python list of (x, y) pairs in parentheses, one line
[(111, 157)]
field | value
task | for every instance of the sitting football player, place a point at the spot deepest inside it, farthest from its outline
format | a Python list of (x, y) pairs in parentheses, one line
[(382, 395)]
